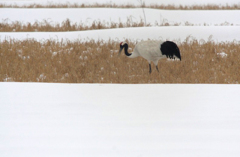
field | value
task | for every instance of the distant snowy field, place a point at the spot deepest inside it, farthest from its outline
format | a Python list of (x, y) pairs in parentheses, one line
[(221, 25), (176, 33), (91, 120), (224, 25), (108, 15)]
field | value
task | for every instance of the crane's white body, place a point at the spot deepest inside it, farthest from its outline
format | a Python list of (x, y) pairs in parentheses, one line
[(150, 50)]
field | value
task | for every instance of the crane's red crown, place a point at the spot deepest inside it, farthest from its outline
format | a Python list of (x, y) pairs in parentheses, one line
[(122, 43)]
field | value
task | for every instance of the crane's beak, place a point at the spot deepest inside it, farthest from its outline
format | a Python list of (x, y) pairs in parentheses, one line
[(120, 51)]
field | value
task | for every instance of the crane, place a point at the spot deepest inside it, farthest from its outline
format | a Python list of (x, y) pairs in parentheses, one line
[(152, 51)]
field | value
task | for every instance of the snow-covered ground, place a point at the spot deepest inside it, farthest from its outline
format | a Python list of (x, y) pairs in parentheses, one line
[(227, 21), (153, 16), (215, 33), (41, 119), (45, 119)]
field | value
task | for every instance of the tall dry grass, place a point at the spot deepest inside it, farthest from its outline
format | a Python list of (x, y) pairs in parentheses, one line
[(66, 25), (98, 62), (113, 5)]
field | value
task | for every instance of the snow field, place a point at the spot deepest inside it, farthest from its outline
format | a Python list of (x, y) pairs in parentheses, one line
[(177, 33), (119, 120), (221, 25), (153, 16)]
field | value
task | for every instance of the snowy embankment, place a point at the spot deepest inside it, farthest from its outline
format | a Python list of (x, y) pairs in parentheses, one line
[(119, 120), (227, 22), (215, 33), (87, 16)]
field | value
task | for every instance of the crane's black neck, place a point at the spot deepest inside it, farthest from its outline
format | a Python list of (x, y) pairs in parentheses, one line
[(126, 50)]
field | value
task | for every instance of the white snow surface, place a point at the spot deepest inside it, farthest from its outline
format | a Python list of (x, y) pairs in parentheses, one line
[(219, 25), (214, 33), (43, 119), (108, 15)]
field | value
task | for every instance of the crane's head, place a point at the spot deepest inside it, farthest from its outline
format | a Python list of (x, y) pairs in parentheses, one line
[(122, 45)]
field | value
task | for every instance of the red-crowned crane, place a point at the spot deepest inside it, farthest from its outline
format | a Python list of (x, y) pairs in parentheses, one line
[(152, 51)]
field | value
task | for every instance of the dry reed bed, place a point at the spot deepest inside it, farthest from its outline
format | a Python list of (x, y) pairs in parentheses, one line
[(67, 25), (142, 5), (98, 62)]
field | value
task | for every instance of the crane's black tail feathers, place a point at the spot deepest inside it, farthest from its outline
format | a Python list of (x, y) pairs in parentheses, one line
[(170, 49)]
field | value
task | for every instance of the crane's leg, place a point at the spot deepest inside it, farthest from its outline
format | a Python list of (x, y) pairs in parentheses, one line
[(156, 64), (157, 68), (150, 69)]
